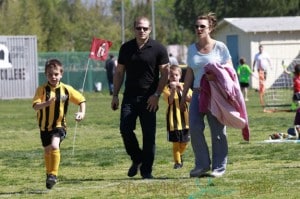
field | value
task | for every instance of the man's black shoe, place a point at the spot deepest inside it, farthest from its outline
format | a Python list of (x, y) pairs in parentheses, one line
[(133, 170), (147, 176)]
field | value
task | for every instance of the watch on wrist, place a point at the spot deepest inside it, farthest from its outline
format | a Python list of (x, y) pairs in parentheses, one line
[(156, 94)]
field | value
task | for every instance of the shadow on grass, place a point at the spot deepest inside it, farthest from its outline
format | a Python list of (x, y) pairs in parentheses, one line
[(78, 180), (28, 192)]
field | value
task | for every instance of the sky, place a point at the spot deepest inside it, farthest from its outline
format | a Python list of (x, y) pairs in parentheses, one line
[(107, 3)]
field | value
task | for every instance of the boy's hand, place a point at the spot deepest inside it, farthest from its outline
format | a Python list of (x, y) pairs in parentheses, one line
[(79, 116), (176, 85), (173, 84), (51, 99)]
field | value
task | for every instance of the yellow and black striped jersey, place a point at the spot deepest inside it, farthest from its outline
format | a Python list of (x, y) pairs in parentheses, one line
[(176, 119), (54, 115)]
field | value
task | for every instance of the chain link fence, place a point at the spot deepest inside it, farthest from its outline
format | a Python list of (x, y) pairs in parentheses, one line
[(75, 65)]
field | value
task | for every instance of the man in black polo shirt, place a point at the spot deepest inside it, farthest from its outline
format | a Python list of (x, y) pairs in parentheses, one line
[(146, 65)]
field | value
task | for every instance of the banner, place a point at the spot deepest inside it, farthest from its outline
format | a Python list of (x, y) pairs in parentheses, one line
[(99, 49)]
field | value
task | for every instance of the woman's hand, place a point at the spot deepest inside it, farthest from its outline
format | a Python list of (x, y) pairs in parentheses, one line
[(210, 76)]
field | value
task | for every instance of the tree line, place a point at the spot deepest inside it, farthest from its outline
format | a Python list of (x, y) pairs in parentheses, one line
[(70, 25)]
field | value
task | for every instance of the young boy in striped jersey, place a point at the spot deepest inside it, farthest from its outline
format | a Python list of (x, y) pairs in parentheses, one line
[(177, 121), (51, 102)]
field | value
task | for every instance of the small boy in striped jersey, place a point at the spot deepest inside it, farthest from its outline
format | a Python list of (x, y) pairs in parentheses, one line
[(177, 121), (51, 102)]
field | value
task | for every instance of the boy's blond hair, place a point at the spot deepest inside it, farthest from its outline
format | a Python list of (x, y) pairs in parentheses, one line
[(176, 67)]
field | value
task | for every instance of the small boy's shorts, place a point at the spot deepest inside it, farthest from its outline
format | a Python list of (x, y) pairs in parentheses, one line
[(46, 136), (244, 85)]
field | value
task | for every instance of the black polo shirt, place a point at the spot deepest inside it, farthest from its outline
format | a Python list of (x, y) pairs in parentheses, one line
[(142, 66)]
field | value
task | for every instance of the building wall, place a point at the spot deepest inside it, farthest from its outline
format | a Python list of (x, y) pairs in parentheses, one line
[(281, 46), (243, 40), (278, 45), (20, 80)]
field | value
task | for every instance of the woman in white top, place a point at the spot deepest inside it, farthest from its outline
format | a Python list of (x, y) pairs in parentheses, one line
[(205, 50)]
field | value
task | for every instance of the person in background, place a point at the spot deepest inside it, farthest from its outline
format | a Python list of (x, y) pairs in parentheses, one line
[(285, 68), (263, 62), (110, 66), (51, 102), (296, 84), (145, 63), (292, 133), (205, 50), (173, 60), (244, 72), (177, 121)]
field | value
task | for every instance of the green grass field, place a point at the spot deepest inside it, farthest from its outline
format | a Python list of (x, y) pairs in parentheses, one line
[(98, 166)]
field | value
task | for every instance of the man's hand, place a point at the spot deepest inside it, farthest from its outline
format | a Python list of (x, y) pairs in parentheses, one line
[(152, 103), (115, 103)]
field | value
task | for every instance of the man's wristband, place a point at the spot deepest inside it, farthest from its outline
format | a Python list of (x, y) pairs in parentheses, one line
[(156, 94)]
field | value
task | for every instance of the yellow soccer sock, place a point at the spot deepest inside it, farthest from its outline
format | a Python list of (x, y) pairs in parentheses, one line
[(55, 160), (47, 162), (182, 147), (176, 152)]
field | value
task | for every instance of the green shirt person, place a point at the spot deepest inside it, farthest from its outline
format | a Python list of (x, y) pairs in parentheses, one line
[(244, 72)]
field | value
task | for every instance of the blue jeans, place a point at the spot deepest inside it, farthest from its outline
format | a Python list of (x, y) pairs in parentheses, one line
[(133, 107), (198, 141), (110, 87)]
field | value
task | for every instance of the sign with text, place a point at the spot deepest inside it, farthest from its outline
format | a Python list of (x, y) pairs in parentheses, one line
[(18, 66)]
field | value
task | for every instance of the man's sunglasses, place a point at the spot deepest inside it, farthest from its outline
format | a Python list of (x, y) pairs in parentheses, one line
[(200, 26), (142, 28)]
